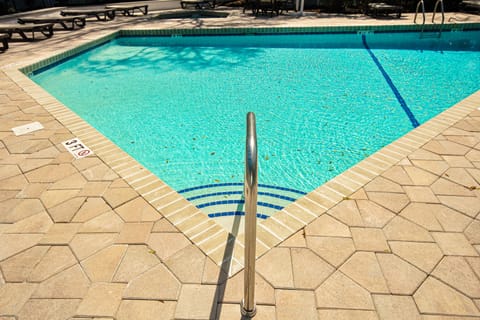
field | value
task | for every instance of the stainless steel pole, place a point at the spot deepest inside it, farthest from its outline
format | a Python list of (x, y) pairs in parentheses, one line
[(248, 307)]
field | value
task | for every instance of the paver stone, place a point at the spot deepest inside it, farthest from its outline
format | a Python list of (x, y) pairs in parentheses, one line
[(48, 309), (65, 211), (136, 260), (454, 244), (339, 292), (325, 225), (276, 267), (138, 210), (264, 292), (69, 284), (401, 229), (369, 239), (374, 215), (106, 222), (295, 304), (145, 310), (390, 307), (187, 264), (456, 272), (56, 259), (401, 277), (348, 213), (157, 283), (86, 244), (309, 270), (14, 295), (167, 244), (15, 243), (467, 205), (102, 299), (419, 176), (333, 250), (18, 267), (391, 201), (364, 269), (435, 297), (424, 256), (102, 265), (196, 302)]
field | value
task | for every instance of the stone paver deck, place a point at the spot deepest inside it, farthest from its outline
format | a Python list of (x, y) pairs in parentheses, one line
[(79, 241)]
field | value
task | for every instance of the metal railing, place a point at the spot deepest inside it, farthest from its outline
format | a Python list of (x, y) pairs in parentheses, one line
[(250, 190), (439, 2), (422, 5)]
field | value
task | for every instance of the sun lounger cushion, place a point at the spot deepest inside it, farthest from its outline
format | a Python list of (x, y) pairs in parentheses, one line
[(470, 5), (199, 4), (69, 22), (129, 10), (23, 29), (100, 14), (379, 8)]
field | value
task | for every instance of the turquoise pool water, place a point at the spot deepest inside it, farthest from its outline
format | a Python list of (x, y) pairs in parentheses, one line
[(322, 102)]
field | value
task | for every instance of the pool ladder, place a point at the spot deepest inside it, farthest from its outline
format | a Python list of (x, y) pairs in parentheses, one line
[(421, 5)]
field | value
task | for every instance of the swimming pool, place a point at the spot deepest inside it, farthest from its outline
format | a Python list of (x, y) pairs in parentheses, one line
[(323, 103)]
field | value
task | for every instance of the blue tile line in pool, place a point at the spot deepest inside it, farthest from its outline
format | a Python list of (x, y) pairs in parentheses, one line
[(273, 195), (221, 202), (239, 184), (397, 94), (234, 213), (236, 202)]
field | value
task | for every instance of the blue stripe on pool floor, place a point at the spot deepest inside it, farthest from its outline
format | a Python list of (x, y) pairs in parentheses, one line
[(397, 94), (268, 194), (221, 202), (234, 213), (239, 184)]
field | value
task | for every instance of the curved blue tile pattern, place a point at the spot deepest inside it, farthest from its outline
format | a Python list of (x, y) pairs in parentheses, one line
[(226, 199)]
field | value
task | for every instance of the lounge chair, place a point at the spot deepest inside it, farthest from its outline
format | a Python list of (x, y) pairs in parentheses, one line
[(4, 40), (129, 10), (470, 5), (198, 4), (206, 4), (263, 7), (376, 9), (22, 29), (69, 23), (100, 14)]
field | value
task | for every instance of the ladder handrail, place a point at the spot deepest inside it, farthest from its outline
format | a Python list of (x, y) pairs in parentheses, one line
[(248, 307), (435, 11), (420, 3)]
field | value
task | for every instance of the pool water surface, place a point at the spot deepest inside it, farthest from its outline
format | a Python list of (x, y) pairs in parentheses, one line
[(322, 102)]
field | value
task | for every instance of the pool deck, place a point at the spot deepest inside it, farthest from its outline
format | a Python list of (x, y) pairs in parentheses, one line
[(395, 237)]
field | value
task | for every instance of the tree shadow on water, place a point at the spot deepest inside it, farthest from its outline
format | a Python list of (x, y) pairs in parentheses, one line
[(168, 58)]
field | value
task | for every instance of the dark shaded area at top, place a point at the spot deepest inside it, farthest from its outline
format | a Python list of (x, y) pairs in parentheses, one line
[(332, 6)]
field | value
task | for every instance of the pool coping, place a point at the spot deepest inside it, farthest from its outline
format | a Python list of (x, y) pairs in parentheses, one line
[(204, 232)]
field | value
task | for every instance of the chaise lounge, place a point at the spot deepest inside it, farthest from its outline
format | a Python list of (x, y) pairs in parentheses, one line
[(68, 23), (376, 9), (46, 29), (129, 10), (470, 6), (100, 14)]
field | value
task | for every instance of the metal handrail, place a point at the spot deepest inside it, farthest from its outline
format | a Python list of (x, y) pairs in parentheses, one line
[(250, 190), (435, 11), (420, 3), (443, 15)]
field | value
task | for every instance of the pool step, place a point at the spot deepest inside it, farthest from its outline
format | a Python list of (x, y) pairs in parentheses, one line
[(226, 199)]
